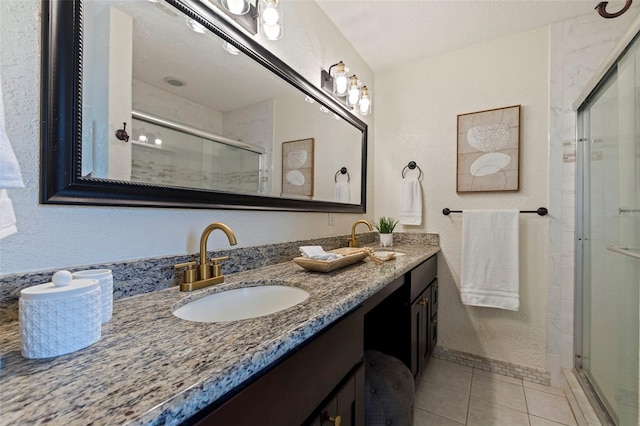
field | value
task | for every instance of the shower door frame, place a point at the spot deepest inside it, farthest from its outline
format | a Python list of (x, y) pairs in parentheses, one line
[(582, 238)]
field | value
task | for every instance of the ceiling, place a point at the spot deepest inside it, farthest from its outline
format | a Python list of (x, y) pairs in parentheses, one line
[(390, 32)]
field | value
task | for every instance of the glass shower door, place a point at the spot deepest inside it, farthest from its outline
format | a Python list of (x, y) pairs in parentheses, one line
[(609, 239)]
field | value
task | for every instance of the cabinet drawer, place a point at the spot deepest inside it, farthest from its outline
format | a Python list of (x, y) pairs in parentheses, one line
[(422, 275)]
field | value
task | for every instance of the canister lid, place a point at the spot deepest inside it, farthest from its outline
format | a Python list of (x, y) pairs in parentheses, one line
[(93, 273), (62, 286)]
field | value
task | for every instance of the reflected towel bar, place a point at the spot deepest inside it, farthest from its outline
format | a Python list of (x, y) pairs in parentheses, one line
[(343, 171), (542, 211)]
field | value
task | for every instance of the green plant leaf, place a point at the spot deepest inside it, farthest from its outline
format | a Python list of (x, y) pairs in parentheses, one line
[(385, 225)]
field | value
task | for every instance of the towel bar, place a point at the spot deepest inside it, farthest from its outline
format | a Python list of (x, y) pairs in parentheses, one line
[(412, 165), (542, 211)]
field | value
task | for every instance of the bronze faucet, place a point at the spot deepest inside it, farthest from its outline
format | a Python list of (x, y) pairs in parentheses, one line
[(353, 242), (206, 274)]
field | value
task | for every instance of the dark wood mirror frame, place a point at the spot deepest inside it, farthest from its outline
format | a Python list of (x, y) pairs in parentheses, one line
[(61, 123)]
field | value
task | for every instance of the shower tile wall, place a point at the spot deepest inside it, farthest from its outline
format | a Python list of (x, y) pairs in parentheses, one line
[(577, 48)]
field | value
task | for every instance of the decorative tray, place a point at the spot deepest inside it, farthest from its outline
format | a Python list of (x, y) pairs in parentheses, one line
[(350, 255)]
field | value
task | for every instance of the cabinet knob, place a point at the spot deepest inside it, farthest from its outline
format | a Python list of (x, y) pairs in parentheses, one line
[(423, 301)]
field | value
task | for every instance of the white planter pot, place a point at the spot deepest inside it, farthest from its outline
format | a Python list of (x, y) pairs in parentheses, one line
[(386, 240)]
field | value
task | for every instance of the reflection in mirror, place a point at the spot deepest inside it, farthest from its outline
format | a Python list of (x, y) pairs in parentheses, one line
[(201, 113)]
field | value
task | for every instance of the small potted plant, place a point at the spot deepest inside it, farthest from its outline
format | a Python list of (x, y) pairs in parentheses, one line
[(385, 226)]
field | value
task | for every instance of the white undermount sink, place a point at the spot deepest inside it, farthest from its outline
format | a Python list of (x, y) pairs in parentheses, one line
[(242, 303)]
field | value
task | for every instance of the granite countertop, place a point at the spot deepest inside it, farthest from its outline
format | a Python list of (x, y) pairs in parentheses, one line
[(151, 368)]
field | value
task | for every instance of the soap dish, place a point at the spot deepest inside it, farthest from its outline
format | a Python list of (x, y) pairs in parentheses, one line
[(350, 255)]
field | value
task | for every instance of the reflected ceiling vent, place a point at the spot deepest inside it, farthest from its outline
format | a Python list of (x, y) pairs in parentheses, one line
[(176, 82)]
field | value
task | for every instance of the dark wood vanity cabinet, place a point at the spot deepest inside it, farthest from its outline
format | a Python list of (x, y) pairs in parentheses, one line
[(405, 324), (321, 382), (301, 387)]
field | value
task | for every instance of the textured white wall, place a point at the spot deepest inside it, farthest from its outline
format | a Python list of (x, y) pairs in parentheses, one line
[(416, 120), (64, 236)]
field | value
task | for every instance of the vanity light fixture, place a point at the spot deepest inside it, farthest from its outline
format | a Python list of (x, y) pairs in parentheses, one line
[(349, 90), (263, 15)]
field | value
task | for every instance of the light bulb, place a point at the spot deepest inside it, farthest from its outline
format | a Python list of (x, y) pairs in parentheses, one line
[(354, 91), (272, 32), (354, 95), (309, 99), (341, 85), (364, 106), (336, 116), (142, 138), (324, 109), (270, 14), (158, 141), (237, 7), (365, 103)]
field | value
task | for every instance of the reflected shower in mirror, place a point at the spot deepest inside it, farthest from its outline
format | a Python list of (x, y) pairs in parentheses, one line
[(201, 113)]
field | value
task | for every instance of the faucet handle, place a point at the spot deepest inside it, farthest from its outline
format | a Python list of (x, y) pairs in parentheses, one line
[(190, 272), (216, 265)]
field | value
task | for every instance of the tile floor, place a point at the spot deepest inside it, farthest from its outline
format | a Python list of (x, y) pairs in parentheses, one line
[(452, 395)]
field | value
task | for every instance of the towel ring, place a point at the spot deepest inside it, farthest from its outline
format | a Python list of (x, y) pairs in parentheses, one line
[(342, 171), (412, 165)]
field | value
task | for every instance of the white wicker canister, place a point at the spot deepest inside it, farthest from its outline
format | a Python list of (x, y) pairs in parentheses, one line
[(59, 317), (105, 279)]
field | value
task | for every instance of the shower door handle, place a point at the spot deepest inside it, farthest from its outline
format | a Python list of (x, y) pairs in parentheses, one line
[(627, 251)]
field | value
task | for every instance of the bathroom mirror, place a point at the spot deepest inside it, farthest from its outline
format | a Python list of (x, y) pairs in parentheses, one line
[(213, 120)]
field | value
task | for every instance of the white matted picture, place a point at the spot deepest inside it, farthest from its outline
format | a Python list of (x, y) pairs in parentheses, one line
[(489, 150), (297, 168)]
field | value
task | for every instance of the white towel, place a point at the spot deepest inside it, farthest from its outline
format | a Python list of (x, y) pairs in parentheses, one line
[(490, 260), (318, 253), (7, 216), (411, 203), (341, 192), (10, 177)]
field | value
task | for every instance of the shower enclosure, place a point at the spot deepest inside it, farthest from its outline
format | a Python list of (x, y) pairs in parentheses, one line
[(608, 240)]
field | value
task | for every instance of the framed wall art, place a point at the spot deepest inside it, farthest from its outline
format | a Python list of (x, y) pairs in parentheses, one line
[(489, 150), (298, 168)]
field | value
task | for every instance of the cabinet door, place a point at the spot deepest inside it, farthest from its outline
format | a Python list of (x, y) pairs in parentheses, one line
[(433, 331), (433, 300), (346, 408), (420, 348)]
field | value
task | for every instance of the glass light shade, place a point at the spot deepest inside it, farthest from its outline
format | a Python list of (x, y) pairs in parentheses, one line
[(272, 32), (237, 7), (340, 79), (364, 106), (353, 95), (271, 19), (158, 141), (142, 138), (270, 14)]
